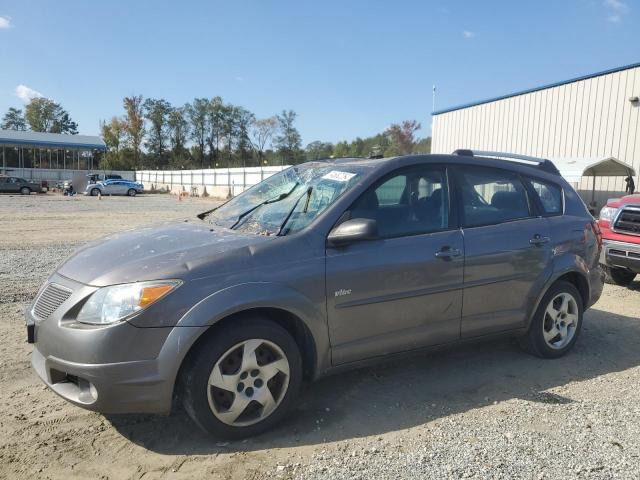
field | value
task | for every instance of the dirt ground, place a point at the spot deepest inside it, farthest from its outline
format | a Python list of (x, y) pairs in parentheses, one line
[(479, 411)]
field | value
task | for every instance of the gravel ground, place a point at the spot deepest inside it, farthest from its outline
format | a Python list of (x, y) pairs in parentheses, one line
[(478, 411)]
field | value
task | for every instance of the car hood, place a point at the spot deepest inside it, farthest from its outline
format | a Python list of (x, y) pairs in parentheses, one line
[(626, 200), (173, 250)]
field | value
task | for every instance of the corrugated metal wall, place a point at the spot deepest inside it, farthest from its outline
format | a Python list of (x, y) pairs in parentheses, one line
[(585, 118)]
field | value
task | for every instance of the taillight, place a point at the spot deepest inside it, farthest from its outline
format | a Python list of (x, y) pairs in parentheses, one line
[(597, 232)]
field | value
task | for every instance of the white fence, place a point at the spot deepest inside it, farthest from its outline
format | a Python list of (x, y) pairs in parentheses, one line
[(217, 182)]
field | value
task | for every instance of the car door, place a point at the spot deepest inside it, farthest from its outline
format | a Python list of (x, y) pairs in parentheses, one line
[(111, 187), (403, 290), (12, 185), (507, 250)]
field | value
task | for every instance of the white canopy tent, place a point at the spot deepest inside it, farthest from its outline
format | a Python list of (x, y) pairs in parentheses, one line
[(573, 169)]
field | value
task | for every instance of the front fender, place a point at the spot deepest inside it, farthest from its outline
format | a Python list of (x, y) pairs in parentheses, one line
[(239, 298)]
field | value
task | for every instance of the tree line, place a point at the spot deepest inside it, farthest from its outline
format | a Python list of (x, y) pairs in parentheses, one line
[(207, 133)]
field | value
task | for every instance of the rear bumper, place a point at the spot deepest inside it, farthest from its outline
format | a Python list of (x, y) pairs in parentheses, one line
[(621, 254)]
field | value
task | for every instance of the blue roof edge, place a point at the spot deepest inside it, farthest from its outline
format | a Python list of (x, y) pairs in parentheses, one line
[(536, 89), (61, 146)]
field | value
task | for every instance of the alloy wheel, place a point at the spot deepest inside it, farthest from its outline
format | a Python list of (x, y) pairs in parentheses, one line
[(248, 382), (560, 321)]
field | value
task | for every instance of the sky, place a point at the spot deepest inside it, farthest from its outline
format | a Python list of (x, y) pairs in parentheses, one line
[(348, 67)]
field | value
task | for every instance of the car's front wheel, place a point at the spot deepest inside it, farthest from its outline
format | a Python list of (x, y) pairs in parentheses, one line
[(95, 192), (619, 276), (557, 322), (242, 379), (25, 191), (131, 192)]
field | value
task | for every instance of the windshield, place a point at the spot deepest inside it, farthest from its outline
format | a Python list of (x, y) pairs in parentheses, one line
[(287, 201)]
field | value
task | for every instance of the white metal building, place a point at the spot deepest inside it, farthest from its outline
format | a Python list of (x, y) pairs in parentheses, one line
[(594, 116)]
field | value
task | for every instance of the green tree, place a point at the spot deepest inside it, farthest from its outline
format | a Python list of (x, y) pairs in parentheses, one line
[(134, 126), (243, 118), (13, 120), (197, 114), (423, 145), (157, 111), (216, 123), (318, 150), (178, 134), (113, 133), (402, 136), (229, 129), (288, 142), (45, 115)]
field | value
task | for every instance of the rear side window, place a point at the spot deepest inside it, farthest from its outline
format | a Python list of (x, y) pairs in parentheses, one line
[(491, 196), (550, 196)]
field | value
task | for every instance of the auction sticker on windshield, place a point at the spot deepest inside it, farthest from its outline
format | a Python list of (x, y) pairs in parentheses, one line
[(339, 176)]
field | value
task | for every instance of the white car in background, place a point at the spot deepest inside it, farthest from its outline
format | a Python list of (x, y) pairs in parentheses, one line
[(114, 187)]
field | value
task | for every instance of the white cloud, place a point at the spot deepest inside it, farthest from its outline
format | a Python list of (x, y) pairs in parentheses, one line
[(5, 22), (26, 94), (468, 34), (240, 79), (617, 9)]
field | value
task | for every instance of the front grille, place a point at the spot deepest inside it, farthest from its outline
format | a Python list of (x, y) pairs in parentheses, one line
[(628, 221), (49, 300)]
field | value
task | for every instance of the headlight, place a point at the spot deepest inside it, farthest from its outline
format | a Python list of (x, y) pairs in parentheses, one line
[(112, 304), (607, 213)]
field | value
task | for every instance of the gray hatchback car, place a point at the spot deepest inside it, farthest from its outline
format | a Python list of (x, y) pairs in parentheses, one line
[(323, 266)]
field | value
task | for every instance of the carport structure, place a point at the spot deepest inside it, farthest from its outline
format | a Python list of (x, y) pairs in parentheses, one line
[(573, 169), (22, 149)]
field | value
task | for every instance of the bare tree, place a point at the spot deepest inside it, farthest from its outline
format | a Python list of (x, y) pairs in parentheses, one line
[(262, 131)]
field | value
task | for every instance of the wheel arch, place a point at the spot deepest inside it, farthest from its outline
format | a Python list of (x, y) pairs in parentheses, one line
[(576, 277), (280, 316)]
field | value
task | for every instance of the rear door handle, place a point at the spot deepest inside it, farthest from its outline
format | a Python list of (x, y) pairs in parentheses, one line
[(538, 240), (447, 253)]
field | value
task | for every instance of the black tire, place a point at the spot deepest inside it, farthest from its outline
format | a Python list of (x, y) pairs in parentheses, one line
[(533, 341), (95, 192), (619, 276), (194, 382), (131, 192), (25, 191)]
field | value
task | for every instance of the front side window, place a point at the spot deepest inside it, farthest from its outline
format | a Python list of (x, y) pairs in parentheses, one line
[(550, 196), (492, 196), (287, 201), (412, 202)]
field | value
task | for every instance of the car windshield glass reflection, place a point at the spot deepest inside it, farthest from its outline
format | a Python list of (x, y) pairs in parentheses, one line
[(264, 208)]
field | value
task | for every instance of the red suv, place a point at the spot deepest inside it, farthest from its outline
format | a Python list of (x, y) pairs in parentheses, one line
[(620, 224)]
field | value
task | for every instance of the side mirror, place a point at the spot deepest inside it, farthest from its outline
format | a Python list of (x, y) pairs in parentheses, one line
[(351, 231)]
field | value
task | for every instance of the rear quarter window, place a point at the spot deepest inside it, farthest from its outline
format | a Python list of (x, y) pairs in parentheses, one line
[(549, 196)]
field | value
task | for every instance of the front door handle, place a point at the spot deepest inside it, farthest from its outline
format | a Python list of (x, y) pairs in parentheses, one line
[(447, 253), (538, 240)]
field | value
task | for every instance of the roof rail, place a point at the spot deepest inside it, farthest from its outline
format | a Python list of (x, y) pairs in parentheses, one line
[(541, 163)]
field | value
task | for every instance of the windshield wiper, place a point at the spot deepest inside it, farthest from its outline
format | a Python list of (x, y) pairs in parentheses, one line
[(282, 196), (306, 205)]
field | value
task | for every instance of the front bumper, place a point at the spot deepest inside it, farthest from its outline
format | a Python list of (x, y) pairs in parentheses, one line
[(621, 254), (119, 368), (125, 387)]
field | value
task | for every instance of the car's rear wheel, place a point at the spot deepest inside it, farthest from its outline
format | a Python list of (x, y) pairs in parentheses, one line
[(25, 191), (242, 379), (131, 192), (619, 276), (557, 322), (95, 192)]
